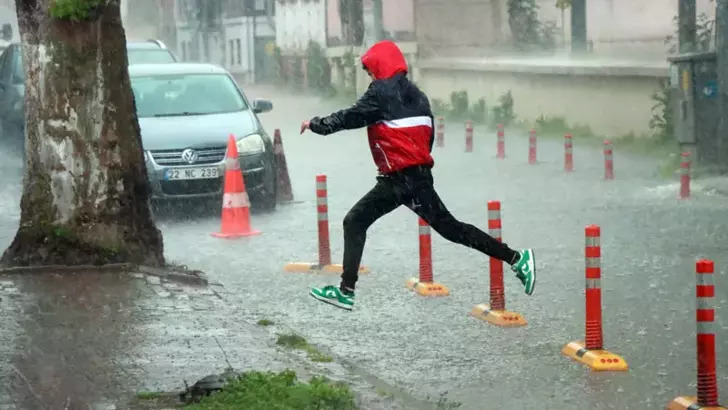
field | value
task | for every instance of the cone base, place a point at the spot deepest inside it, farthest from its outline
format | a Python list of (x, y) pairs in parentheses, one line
[(690, 402), (427, 288), (503, 318), (234, 235), (305, 267), (597, 360)]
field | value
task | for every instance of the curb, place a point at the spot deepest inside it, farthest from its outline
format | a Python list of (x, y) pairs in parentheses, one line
[(169, 272)]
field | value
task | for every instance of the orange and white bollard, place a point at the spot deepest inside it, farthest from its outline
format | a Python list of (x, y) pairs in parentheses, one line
[(608, 160), (501, 143), (707, 398), (532, 147), (468, 136), (440, 135), (324, 264), (496, 312), (426, 286), (685, 175), (568, 153), (322, 210), (235, 221), (591, 352)]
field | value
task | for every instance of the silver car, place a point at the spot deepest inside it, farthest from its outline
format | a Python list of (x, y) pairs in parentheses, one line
[(186, 112)]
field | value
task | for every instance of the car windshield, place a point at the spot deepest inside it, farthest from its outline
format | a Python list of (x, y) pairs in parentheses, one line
[(188, 94), (149, 56)]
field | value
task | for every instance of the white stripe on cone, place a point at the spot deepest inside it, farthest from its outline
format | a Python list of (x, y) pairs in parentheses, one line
[(236, 200)]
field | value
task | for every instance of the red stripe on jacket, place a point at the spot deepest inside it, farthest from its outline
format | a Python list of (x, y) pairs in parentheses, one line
[(400, 144)]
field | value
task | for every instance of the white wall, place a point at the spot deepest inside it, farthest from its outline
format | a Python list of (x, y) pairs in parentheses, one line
[(239, 56), (626, 28), (299, 22)]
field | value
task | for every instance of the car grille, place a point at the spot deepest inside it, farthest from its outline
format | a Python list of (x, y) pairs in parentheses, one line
[(173, 157), (192, 186)]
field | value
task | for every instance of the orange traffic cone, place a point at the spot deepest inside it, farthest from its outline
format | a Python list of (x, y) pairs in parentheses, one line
[(284, 193), (235, 202)]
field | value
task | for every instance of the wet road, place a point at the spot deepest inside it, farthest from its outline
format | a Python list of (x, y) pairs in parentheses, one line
[(650, 242)]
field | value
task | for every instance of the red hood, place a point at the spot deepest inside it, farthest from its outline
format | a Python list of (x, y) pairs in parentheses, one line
[(384, 60)]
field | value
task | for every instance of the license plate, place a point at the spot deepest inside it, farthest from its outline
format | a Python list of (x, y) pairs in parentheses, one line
[(191, 173)]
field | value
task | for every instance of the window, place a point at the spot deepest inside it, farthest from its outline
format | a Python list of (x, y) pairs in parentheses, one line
[(240, 61), (231, 52), (168, 95)]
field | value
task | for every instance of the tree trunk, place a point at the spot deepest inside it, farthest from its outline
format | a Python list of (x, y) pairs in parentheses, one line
[(86, 193)]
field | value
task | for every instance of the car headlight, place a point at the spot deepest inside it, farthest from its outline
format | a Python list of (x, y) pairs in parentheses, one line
[(252, 144)]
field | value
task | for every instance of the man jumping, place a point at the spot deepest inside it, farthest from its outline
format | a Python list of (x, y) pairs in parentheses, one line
[(400, 128)]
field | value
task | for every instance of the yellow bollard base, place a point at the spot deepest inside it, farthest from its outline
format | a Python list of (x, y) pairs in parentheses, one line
[(597, 360), (427, 288), (691, 403), (304, 267), (501, 318)]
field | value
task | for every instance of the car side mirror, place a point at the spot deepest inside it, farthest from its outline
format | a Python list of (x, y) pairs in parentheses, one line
[(261, 106)]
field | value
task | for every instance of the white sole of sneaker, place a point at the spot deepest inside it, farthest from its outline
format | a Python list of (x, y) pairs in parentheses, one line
[(331, 302), (533, 272)]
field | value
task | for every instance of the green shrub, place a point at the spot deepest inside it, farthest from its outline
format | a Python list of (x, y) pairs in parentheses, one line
[(503, 113), (459, 108)]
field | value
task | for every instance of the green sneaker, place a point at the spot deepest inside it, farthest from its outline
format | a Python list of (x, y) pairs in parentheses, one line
[(525, 269), (333, 295)]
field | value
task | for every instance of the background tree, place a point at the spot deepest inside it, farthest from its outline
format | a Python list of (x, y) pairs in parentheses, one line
[(86, 194), (524, 23)]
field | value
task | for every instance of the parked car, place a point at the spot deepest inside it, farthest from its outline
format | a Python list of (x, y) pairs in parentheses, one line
[(149, 52), (12, 80), (186, 113)]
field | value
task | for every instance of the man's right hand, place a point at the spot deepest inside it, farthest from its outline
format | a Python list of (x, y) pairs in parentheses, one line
[(305, 126)]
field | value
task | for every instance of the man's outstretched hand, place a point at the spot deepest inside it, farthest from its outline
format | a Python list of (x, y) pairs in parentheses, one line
[(305, 125)]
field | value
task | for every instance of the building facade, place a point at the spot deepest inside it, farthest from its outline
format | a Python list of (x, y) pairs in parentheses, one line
[(618, 29), (343, 29), (238, 35)]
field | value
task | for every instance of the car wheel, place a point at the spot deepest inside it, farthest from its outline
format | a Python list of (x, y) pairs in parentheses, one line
[(267, 200)]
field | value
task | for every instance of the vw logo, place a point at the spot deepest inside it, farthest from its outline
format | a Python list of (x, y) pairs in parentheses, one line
[(189, 156)]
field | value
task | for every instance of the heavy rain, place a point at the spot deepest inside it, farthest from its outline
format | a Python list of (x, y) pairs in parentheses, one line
[(571, 114)]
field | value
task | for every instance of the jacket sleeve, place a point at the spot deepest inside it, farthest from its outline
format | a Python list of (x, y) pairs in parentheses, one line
[(366, 111)]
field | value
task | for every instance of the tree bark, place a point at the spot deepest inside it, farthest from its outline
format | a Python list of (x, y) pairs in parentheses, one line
[(86, 193)]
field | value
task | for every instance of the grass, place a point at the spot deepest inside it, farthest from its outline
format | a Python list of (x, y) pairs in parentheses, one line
[(148, 395), (294, 341), (265, 322), (256, 390)]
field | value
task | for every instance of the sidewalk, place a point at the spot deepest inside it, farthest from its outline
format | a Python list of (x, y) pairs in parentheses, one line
[(96, 339)]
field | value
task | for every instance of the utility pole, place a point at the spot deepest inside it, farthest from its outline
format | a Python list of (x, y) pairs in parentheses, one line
[(721, 26), (578, 26), (687, 15), (378, 20)]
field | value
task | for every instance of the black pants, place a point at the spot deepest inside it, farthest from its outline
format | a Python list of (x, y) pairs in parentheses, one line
[(412, 187)]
